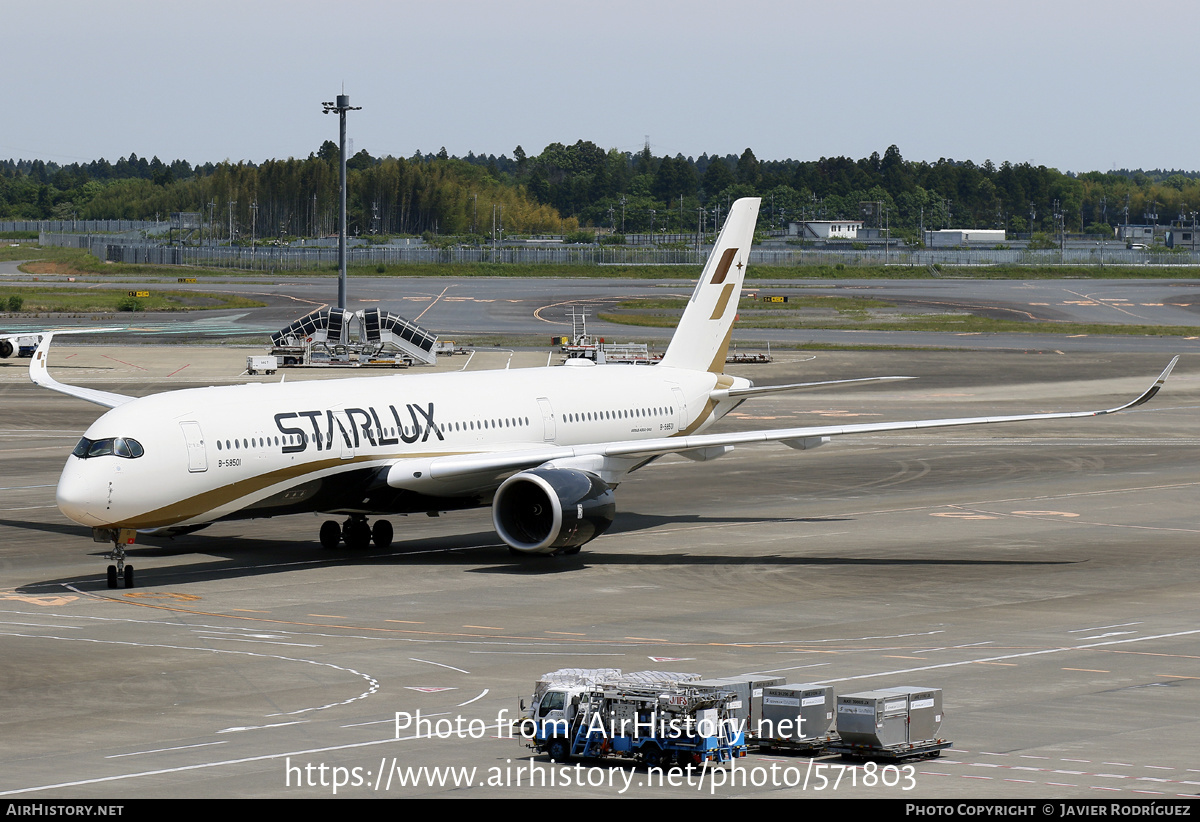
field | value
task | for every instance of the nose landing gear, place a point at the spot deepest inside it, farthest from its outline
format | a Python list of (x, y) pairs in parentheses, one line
[(120, 537), (119, 571)]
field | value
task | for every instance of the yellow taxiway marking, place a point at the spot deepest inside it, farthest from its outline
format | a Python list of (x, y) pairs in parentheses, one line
[(1154, 653), (404, 621), (485, 627), (39, 600), (432, 304), (327, 616), (164, 595), (841, 413), (1044, 514), (1088, 670)]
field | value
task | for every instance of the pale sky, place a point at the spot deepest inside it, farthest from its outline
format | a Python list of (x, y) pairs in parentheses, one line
[(1075, 85)]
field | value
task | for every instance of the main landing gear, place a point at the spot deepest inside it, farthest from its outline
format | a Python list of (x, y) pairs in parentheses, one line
[(356, 533)]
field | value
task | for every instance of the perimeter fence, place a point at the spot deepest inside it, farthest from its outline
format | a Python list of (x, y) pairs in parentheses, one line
[(271, 258)]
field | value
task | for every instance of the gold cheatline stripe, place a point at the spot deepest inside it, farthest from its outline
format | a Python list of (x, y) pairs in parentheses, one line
[(215, 498), (722, 301), (723, 266), (710, 407), (717, 366)]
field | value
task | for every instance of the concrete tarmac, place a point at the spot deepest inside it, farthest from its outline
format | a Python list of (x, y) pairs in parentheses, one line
[(1043, 575), (479, 308)]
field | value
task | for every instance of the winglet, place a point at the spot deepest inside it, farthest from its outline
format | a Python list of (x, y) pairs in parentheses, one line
[(1149, 393), (39, 374)]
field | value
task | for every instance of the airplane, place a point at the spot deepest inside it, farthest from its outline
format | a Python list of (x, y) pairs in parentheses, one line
[(544, 447)]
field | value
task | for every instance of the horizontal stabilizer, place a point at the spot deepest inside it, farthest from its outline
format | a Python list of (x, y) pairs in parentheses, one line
[(754, 391)]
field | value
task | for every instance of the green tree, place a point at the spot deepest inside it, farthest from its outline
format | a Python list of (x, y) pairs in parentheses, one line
[(717, 178), (747, 168)]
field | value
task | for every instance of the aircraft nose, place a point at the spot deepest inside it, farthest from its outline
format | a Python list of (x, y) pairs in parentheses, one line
[(80, 499)]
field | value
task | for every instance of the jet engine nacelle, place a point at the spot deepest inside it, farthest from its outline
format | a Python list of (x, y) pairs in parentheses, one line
[(6, 349), (545, 510)]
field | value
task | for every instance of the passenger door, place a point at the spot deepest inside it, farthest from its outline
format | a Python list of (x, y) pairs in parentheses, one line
[(197, 456)]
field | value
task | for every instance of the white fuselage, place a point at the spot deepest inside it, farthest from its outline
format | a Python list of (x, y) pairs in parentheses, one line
[(274, 448)]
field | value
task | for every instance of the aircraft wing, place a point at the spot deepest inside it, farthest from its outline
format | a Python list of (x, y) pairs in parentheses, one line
[(451, 467), (39, 374)]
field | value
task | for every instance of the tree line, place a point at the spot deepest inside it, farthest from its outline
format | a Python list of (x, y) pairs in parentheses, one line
[(290, 198), (566, 187), (637, 191)]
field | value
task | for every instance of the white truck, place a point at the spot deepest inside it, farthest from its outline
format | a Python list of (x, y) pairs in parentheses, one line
[(653, 717)]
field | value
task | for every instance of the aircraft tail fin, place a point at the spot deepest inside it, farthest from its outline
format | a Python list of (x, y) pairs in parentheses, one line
[(701, 340)]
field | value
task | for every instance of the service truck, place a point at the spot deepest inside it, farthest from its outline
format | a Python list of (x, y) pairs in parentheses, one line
[(653, 717)]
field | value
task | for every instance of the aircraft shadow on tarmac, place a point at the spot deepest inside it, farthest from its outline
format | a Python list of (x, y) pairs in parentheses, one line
[(67, 528), (188, 544), (628, 521), (241, 557)]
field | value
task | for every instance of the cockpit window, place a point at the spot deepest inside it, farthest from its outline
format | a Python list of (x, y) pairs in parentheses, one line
[(120, 446), (100, 448)]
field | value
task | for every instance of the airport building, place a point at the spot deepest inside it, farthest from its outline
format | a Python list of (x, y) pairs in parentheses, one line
[(956, 237), (825, 229), (1184, 236), (1144, 234)]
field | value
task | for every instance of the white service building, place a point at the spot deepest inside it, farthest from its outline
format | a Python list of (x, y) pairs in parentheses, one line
[(954, 237), (825, 229)]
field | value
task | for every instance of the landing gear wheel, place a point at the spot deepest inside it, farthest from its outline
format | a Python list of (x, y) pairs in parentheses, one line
[(331, 535), (572, 551), (356, 533), (120, 571), (381, 534)]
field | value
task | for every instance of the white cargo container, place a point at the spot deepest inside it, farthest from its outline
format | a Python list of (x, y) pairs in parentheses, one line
[(264, 364)]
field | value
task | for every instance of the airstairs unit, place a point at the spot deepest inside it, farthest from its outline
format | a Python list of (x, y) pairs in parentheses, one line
[(335, 336)]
